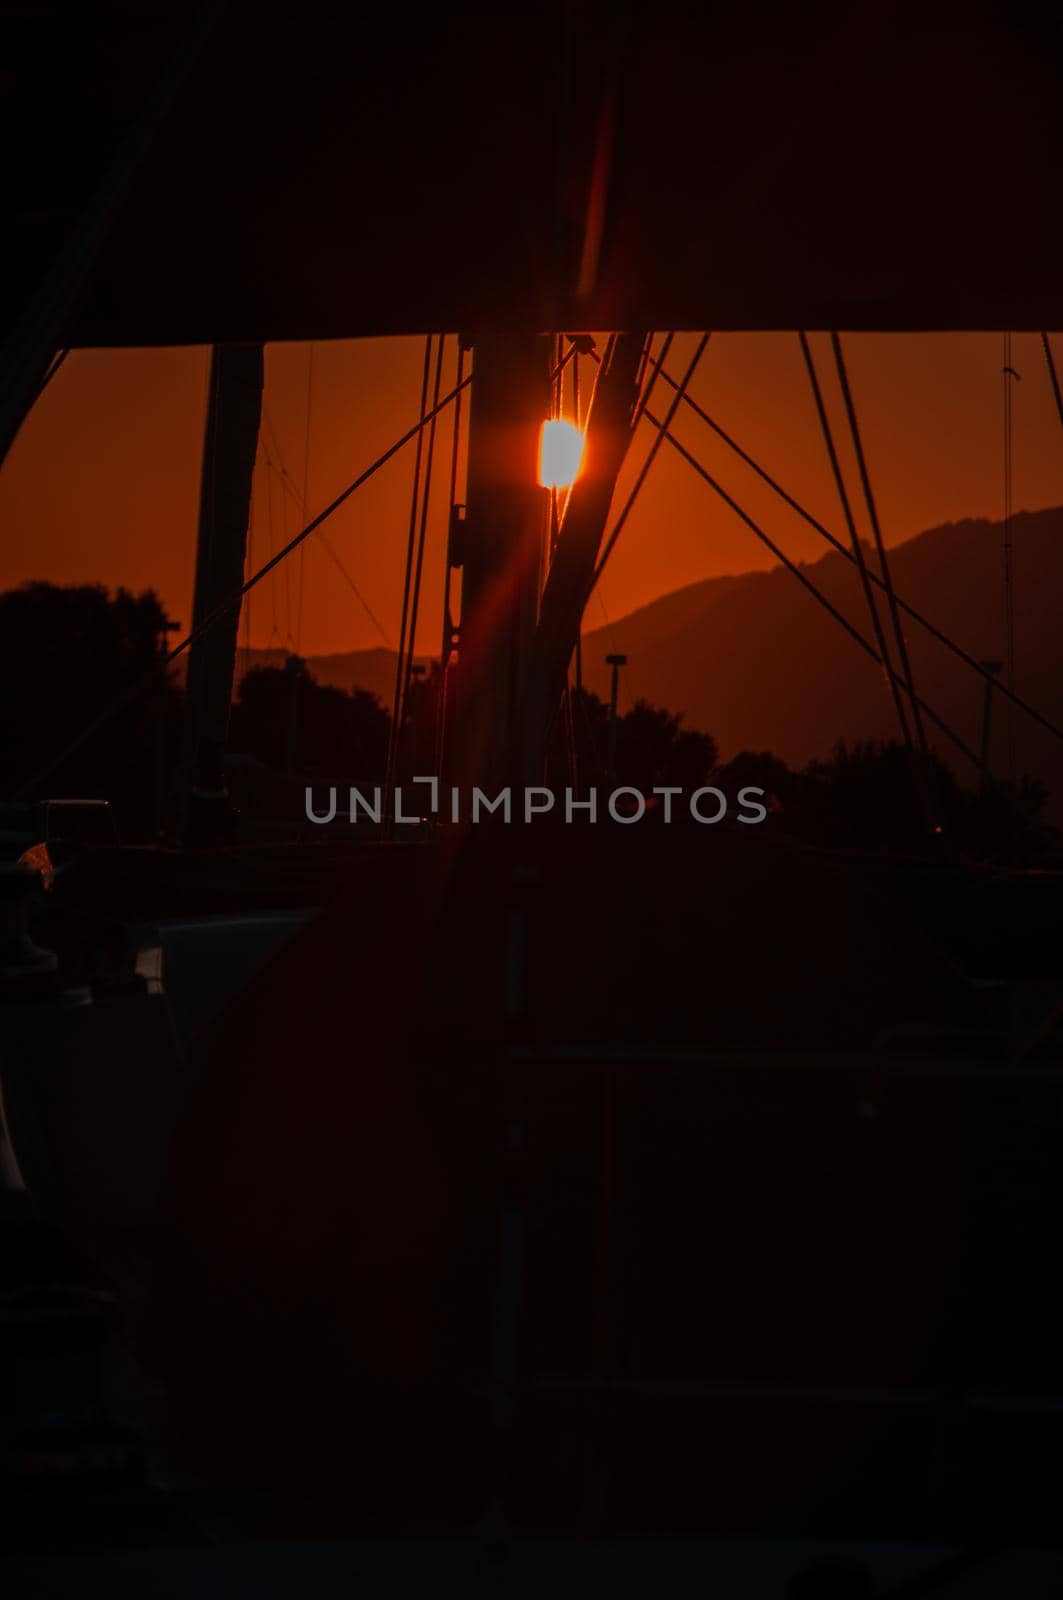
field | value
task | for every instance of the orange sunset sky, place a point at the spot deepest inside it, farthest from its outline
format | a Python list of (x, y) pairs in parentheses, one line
[(101, 485)]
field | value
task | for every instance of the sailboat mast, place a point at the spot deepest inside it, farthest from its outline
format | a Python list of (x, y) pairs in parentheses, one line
[(229, 450), (502, 553)]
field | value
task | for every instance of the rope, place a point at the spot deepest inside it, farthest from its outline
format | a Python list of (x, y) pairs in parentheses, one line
[(452, 498), (647, 391), (61, 357), (1009, 562), (1053, 376), (283, 478), (643, 358), (416, 601), (806, 582), (306, 488), (204, 552), (569, 355), (880, 547), (880, 637), (922, 771), (843, 550), (393, 736), (288, 637), (557, 378), (249, 565), (274, 630), (359, 596), (648, 463), (558, 411), (288, 486), (129, 695), (607, 619)]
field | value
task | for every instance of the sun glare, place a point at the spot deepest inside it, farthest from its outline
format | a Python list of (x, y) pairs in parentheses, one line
[(560, 455)]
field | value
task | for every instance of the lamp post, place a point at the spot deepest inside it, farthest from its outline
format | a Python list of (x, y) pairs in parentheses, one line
[(616, 662)]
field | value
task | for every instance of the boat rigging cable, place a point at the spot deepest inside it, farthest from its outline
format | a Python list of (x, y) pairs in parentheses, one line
[(648, 463), (895, 682), (807, 583), (159, 670), (306, 489), (210, 477), (880, 547), (854, 537), (922, 770), (1008, 375), (646, 389), (249, 566), (269, 502), (843, 550), (557, 412), (448, 625), (577, 407), (289, 488), (154, 673), (421, 535), (393, 732), (572, 357), (288, 637), (645, 356), (1053, 376), (274, 632), (276, 463), (61, 357)]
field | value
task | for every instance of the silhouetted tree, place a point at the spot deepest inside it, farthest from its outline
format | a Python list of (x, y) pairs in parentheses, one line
[(865, 797), (328, 733), (652, 748), (759, 769), (66, 653), (999, 821)]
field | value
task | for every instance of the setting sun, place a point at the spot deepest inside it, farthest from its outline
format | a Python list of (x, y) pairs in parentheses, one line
[(560, 455)]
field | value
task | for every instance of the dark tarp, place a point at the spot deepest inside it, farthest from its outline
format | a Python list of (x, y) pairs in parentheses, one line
[(338, 171)]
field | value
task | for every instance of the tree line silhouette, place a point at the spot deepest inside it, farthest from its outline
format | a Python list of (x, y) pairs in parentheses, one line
[(65, 652)]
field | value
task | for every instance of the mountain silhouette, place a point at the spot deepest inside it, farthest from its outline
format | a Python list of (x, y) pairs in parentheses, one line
[(754, 660), (351, 669), (758, 663)]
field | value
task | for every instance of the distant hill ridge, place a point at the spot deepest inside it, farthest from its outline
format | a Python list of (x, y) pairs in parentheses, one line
[(352, 669), (754, 660)]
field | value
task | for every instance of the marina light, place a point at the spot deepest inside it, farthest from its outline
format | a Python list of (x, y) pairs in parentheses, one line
[(560, 454)]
